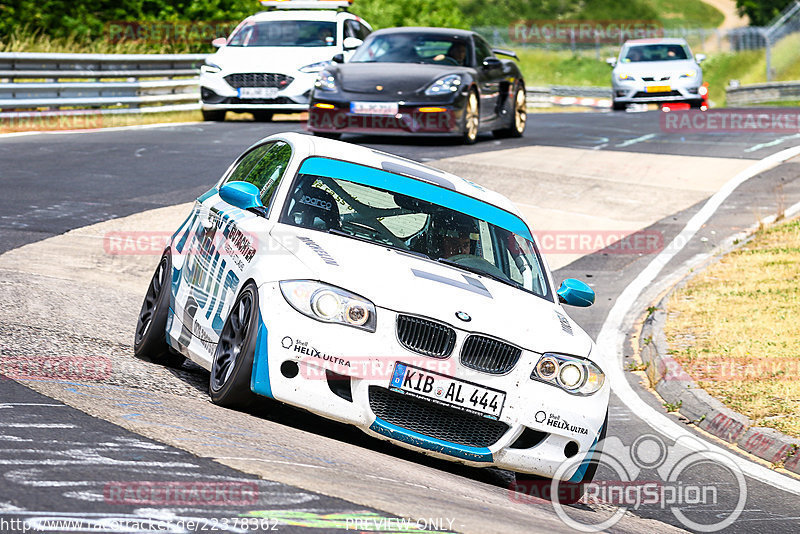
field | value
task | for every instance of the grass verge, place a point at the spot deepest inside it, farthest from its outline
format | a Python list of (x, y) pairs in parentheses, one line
[(735, 328)]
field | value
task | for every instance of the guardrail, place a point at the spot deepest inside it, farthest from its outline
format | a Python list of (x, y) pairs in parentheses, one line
[(104, 83), (760, 93), (563, 95), (35, 84)]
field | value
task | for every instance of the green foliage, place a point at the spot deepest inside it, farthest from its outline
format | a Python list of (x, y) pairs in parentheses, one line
[(761, 12), (387, 14), (504, 12)]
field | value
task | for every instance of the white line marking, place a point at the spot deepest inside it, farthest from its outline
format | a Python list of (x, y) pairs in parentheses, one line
[(771, 143), (38, 425), (630, 142), (95, 130), (12, 404), (264, 460), (612, 337)]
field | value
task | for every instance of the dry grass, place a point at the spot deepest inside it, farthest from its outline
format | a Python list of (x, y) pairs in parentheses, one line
[(736, 328), (84, 122)]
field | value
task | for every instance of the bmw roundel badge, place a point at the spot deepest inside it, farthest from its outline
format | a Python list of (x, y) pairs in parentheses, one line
[(464, 316)]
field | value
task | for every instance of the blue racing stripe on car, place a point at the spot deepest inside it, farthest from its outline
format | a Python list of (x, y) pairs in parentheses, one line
[(397, 183), (208, 194), (474, 454), (259, 379), (581, 471)]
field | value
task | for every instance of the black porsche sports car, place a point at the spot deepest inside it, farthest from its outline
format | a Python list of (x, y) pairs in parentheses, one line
[(421, 80)]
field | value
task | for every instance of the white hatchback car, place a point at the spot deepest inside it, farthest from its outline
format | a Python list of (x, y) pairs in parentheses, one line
[(379, 292), (271, 60), (656, 71)]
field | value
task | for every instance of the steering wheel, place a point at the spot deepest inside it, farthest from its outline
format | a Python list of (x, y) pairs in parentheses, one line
[(476, 262), (450, 60)]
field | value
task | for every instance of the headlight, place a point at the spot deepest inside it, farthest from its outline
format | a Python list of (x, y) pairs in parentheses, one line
[(314, 67), (329, 304), (444, 85), (623, 76), (689, 74), (210, 68), (574, 375), (325, 81)]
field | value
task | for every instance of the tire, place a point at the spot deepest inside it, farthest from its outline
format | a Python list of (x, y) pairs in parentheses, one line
[(519, 116), (472, 120), (232, 366), (150, 339), (262, 116), (573, 491), (216, 115), (328, 135), (695, 104), (618, 106)]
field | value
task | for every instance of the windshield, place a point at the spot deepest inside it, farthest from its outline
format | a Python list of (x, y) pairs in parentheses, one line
[(399, 212), (413, 48), (285, 33), (655, 52)]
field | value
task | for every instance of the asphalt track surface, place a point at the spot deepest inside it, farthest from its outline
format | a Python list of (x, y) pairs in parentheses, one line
[(57, 182)]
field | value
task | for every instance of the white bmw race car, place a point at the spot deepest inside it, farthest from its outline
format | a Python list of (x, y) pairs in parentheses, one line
[(271, 60), (376, 291)]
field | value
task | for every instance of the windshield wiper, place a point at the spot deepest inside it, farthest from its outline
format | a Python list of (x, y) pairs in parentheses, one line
[(336, 231), (476, 271)]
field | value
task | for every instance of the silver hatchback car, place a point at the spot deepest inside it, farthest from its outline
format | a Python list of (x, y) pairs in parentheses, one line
[(656, 70)]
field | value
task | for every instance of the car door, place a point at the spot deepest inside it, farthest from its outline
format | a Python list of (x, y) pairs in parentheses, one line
[(219, 243), (354, 28), (490, 74)]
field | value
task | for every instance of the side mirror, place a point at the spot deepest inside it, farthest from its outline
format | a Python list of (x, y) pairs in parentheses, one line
[(351, 43), (219, 42), (575, 293), (243, 195), (699, 58), (492, 63), (338, 58), (612, 61)]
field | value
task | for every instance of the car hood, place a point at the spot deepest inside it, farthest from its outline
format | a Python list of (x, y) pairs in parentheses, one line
[(280, 59), (397, 78), (658, 68), (408, 284)]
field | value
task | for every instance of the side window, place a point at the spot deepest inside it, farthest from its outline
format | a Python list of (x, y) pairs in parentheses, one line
[(264, 167), (482, 49), (353, 28), (362, 31)]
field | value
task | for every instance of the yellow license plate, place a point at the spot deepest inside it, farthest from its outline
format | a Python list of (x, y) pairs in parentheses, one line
[(659, 89)]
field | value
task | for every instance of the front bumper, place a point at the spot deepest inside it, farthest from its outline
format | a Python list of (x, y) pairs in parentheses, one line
[(333, 115), (671, 90), (217, 94), (343, 374)]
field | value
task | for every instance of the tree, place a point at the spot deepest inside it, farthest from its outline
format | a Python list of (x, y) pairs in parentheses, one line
[(761, 12)]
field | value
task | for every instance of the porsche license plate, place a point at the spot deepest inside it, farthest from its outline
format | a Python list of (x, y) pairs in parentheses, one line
[(447, 390), (258, 92), (659, 89), (374, 108)]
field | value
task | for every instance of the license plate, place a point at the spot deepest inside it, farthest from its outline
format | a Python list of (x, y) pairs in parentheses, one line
[(447, 390), (258, 92), (374, 108), (659, 89)]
